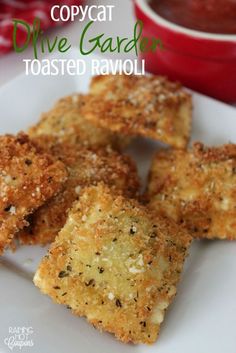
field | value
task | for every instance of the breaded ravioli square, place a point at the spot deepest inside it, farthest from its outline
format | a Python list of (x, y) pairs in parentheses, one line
[(197, 188), (86, 166), (28, 178), (114, 265), (65, 122), (149, 106)]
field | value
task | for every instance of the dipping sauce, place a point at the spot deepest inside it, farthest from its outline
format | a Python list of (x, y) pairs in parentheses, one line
[(212, 16)]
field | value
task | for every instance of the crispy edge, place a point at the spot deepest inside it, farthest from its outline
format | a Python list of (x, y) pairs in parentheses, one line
[(29, 178), (66, 123), (198, 215), (164, 116), (114, 169)]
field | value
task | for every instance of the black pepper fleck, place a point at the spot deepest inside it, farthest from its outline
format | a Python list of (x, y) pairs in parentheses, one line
[(7, 209), (143, 323), (63, 274), (28, 162), (132, 230), (118, 303), (90, 282)]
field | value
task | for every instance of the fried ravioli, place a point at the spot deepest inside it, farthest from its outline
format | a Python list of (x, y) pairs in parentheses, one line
[(114, 265), (85, 167), (149, 106), (65, 122), (197, 188), (28, 178)]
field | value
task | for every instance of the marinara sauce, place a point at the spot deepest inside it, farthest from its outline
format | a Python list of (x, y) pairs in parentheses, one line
[(212, 16)]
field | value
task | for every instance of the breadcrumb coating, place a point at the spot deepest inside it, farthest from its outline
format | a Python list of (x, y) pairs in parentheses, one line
[(28, 178), (149, 106), (115, 265), (85, 167), (65, 122), (197, 188)]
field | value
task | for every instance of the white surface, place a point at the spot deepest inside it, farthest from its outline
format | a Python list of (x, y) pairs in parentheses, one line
[(202, 319)]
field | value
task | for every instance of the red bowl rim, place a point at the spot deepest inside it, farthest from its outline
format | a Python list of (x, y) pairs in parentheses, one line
[(144, 6)]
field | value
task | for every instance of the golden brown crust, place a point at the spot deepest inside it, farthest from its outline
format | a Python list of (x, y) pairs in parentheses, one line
[(197, 188), (28, 178), (114, 265), (65, 122), (85, 167), (150, 106)]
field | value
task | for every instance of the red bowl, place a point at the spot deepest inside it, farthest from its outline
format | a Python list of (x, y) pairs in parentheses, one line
[(202, 61)]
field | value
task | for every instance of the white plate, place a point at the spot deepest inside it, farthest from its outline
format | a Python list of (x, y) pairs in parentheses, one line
[(202, 319)]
